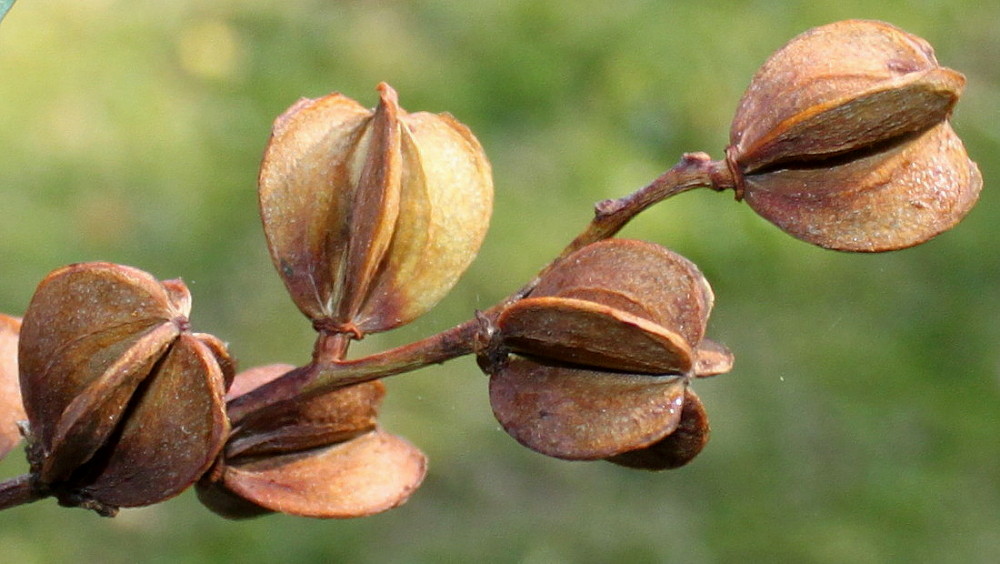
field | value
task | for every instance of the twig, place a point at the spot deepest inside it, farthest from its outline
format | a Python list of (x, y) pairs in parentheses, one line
[(18, 491)]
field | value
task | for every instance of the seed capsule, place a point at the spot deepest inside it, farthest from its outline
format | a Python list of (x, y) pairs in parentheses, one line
[(318, 456), (605, 346), (124, 402), (842, 140), (371, 215)]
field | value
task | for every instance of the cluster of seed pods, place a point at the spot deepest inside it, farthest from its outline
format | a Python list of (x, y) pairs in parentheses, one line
[(843, 139)]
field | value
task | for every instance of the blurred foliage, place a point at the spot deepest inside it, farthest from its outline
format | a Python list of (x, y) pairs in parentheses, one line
[(860, 424)]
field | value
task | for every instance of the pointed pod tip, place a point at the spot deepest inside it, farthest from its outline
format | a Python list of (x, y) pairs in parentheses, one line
[(387, 94)]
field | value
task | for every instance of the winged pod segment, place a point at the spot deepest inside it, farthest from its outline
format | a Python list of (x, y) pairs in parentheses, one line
[(319, 456)]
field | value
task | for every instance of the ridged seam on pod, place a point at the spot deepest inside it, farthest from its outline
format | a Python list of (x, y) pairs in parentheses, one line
[(838, 88), (371, 215)]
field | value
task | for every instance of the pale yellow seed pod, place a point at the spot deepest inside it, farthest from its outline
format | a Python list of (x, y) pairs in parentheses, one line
[(371, 215)]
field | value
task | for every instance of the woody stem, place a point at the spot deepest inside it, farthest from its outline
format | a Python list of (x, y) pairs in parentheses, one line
[(18, 491), (695, 170)]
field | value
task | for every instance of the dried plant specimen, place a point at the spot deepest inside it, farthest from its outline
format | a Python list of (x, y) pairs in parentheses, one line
[(124, 402), (843, 140), (322, 456), (605, 346), (371, 216)]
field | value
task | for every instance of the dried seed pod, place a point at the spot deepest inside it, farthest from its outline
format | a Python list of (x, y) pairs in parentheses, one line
[(316, 456), (173, 435), (842, 140), (605, 346), (11, 408), (369, 474), (371, 216), (124, 403)]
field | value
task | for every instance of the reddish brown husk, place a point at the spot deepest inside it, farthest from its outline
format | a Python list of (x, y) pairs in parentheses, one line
[(592, 334), (371, 473), (581, 414), (605, 346), (302, 424), (173, 434), (124, 403), (677, 448), (638, 277), (842, 140)]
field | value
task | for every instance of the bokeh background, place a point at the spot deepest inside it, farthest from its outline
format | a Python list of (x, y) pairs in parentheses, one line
[(862, 420)]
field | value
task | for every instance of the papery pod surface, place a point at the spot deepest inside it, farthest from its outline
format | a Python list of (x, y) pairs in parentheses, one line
[(637, 277), (842, 140), (11, 408), (371, 215), (90, 336), (321, 455), (302, 423), (591, 334), (173, 433), (679, 447), (889, 200), (837, 88), (577, 413), (368, 474), (124, 403)]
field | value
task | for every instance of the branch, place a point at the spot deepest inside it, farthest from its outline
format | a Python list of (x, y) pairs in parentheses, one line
[(18, 491)]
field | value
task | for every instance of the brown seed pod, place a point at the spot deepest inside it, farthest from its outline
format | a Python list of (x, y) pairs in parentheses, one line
[(304, 423), (371, 216), (605, 346), (371, 473), (124, 403), (172, 436), (11, 408), (316, 456), (842, 140)]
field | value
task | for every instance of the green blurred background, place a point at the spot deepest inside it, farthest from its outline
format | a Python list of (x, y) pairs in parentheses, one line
[(862, 420)]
